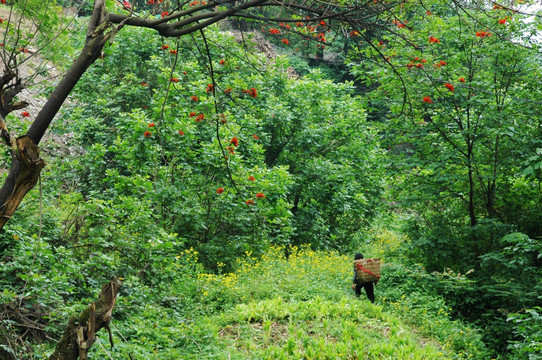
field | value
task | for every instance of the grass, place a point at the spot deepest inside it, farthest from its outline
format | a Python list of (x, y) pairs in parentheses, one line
[(273, 307)]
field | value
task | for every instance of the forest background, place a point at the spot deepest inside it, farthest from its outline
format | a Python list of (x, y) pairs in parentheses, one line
[(229, 175)]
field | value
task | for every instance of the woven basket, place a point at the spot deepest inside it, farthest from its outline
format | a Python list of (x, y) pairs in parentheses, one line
[(372, 266)]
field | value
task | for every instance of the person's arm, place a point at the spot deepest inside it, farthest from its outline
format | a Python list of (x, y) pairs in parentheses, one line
[(354, 279)]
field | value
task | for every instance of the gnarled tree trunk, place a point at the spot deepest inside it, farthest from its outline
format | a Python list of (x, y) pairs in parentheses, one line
[(80, 331)]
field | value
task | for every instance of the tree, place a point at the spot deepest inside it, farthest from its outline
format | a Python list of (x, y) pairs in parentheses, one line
[(461, 116), (174, 21)]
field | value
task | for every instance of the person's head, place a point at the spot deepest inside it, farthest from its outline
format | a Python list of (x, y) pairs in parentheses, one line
[(358, 256)]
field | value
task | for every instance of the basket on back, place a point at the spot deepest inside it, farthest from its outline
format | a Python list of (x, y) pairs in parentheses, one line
[(367, 270)]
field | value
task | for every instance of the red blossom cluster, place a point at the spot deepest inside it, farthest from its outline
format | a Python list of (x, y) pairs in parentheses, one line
[(231, 149), (483, 34), (419, 65), (285, 41), (194, 98), (228, 91), (249, 202), (274, 31), (252, 178), (462, 79), (260, 196), (222, 62), (283, 25), (25, 114), (173, 51), (210, 88), (165, 47), (252, 92), (199, 118), (147, 134), (440, 64), (400, 24), (321, 37), (164, 14), (173, 79), (151, 125), (181, 132), (502, 21), (433, 40), (219, 190), (152, 2), (234, 141), (427, 99), (354, 33), (449, 87), (255, 136)]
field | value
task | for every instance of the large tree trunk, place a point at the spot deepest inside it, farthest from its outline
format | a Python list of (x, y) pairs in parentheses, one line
[(80, 331), (26, 164)]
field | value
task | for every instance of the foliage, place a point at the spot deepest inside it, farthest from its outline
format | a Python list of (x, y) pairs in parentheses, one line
[(529, 328)]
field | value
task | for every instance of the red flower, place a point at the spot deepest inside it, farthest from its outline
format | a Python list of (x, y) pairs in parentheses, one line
[(194, 98), (441, 63), (199, 118), (462, 79), (173, 51), (222, 118), (322, 23), (249, 202), (234, 141), (449, 86), (181, 132), (222, 62), (144, 107), (252, 92), (502, 21), (174, 79), (428, 12), (144, 84), (151, 125), (252, 178), (164, 14), (165, 47), (483, 34), (192, 114), (274, 31), (25, 114), (231, 149), (209, 89), (260, 195), (228, 90), (147, 134), (419, 66), (219, 190), (286, 41), (433, 39), (255, 136), (427, 99)]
